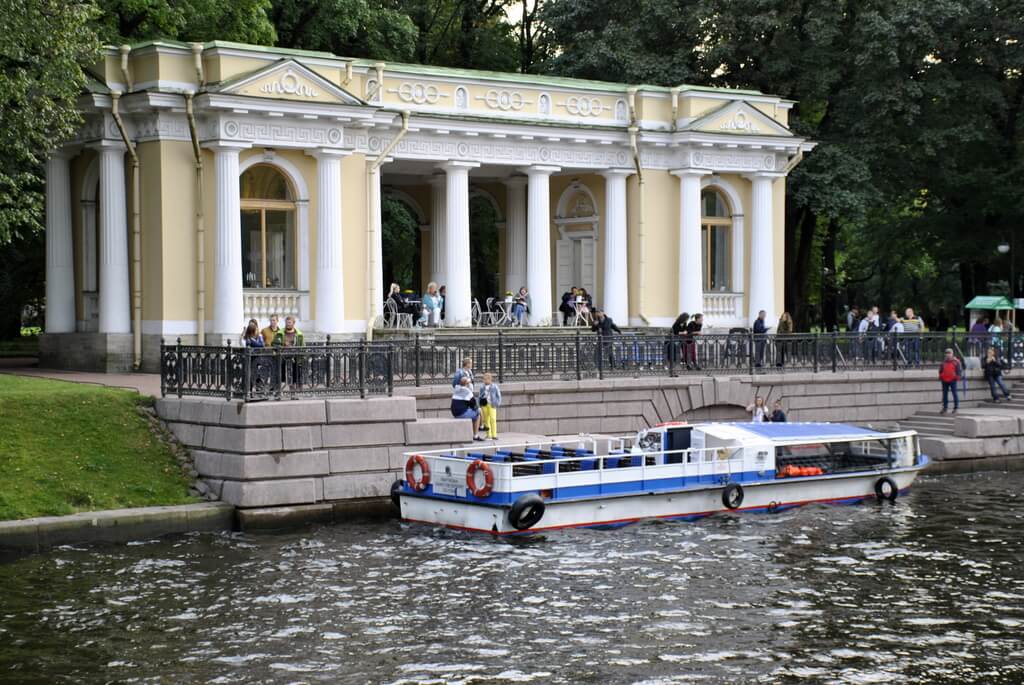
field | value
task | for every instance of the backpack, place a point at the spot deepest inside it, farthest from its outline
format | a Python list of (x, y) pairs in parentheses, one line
[(950, 371)]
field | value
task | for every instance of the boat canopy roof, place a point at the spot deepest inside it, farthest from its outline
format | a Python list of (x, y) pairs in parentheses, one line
[(791, 432)]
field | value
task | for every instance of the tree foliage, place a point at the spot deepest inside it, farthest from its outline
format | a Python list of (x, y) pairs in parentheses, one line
[(244, 21), (42, 46)]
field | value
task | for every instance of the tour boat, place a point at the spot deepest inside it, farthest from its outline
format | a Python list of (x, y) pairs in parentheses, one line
[(672, 471)]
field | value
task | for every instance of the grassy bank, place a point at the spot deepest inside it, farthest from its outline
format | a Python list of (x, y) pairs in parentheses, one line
[(67, 447)]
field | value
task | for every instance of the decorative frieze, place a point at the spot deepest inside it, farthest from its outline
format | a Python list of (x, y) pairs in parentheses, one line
[(583, 106), (418, 93), (504, 100)]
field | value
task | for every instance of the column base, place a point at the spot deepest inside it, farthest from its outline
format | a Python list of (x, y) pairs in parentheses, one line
[(103, 352)]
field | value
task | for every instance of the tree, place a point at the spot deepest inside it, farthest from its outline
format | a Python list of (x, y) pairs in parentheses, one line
[(43, 47), (244, 21), (351, 28), (21, 280)]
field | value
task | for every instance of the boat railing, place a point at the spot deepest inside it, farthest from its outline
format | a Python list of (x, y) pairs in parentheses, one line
[(554, 472)]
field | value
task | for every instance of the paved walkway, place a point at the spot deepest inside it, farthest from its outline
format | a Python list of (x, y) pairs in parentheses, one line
[(143, 383)]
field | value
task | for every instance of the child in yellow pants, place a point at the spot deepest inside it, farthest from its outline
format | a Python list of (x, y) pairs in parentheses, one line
[(490, 400)]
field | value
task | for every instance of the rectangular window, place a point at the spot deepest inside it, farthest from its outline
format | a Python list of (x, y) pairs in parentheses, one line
[(280, 239), (252, 248), (716, 252)]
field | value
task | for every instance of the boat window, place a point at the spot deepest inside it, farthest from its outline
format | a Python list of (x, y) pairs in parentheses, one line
[(679, 438)]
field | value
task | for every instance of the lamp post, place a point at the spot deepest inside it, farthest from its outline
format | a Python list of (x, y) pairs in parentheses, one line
[(1004, 248)]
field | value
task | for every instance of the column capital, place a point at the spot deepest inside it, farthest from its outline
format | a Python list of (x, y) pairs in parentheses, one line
[(540, 169), (225, 145), (515, 182), (615, 173), (771, 175), (63, 153), (370, 159), (101, 145), (681, 173), (328, 153), (457, 165), (436, 180)]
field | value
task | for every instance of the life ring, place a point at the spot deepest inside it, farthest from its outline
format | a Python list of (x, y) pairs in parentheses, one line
[(396, 493), (732, 496), (488, 486), (526, 512), (886, 489), (423, 481)]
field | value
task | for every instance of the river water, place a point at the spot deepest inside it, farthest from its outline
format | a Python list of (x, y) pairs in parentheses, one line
[(930, 589)]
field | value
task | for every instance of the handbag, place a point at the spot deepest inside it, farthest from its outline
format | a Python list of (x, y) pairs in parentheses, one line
[(473, 403)]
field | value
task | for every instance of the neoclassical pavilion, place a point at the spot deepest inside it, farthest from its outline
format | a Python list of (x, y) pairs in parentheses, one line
[(215, 183)]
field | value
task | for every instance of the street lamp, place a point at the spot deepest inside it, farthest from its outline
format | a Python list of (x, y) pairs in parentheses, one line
[(1007, 248)]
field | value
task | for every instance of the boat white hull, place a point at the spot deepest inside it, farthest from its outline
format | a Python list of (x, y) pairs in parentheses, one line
[(769, 496)]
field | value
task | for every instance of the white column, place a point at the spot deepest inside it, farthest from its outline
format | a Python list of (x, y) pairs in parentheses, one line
[(115, 316), (761, 289), (458, 307), (330, 277), (438, 230), (538, 243), (515, 237), (691, 279), (228, 311), (616, 282), (377, 257), (60, 267)]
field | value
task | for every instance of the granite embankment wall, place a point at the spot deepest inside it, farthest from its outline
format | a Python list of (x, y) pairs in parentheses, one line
[(621, 405), (303, 452)]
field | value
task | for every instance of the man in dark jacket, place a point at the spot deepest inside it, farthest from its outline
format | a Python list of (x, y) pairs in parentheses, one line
[(760, 335), (603, 326)]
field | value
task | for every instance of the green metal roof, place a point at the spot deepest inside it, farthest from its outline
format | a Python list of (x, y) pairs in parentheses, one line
[(990, 302), (429, 70)]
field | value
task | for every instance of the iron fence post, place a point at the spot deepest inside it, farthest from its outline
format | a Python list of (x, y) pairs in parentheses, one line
[(894, 345), (579, 366), (247, 379), (817, 337), (163, 376), (750, 355), (670, 348), (1009, 349), (835, 350), (600, 357), (227, 371), (391, 368), (181, 369), (416, 363), (278, 372), (362, 369), (501, 358)]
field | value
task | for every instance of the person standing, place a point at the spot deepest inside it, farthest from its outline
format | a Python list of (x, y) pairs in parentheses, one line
[(760, 337), (270, 332), (993, 367), (692, 331), (490, 400), (758, 411), (778, 415), (913, 327), (251, 336), (852, 318), (290, 336), (603, 326), (950, 373), (678, 338), (784, 328)]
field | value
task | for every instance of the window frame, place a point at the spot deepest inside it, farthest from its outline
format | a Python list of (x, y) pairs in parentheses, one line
[(262, 206), (707, 224)]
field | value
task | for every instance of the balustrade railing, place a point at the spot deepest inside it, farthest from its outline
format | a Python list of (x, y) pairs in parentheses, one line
[(331, 369)]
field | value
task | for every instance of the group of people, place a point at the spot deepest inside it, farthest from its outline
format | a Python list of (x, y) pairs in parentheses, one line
[(429, 311), (951, 372), (686, 329), (272, 335), (577, 304), (760, 413), (478, 405)]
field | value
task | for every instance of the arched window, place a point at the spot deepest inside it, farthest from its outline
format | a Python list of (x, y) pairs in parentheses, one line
[(268, 229), (716, 241)]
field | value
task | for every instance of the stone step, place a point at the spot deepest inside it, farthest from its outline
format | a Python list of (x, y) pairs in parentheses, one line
[(922, 430)]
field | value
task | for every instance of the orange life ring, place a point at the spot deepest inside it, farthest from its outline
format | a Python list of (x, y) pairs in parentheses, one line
[(410, 472), (488, 485)]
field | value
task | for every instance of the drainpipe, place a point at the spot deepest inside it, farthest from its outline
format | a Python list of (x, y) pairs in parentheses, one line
[(200, 225), (379, 66), (633, 130), (793, 161), (125, 50), (115, 97), (348, 74), (371, 236), (197, 154)]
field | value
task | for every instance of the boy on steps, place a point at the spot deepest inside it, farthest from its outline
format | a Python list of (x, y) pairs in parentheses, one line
[(490, 400)]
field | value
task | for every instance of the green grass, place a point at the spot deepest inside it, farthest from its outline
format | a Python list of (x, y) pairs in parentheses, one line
[(68, 447)]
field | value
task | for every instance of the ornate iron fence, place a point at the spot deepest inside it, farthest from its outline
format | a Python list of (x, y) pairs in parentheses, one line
[(331, 369)]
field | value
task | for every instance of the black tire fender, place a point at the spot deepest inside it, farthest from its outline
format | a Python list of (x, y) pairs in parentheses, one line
[(396, 494), (732, 496), (880, 489), (526, 511)]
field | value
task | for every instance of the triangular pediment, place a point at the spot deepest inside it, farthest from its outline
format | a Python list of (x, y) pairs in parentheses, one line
[(738, 117), (289, 80)]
